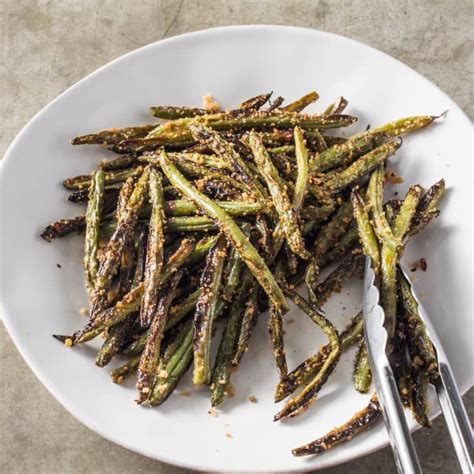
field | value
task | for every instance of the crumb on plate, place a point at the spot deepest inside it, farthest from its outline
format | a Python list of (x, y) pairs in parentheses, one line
[(393, 178)]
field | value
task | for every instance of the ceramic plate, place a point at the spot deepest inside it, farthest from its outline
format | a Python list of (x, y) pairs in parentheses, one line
[(234, 63)]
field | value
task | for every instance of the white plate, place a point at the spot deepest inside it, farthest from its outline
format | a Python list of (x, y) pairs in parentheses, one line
[(233, 63)]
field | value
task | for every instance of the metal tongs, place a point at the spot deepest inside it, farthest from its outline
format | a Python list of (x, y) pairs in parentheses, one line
[(449, 398)]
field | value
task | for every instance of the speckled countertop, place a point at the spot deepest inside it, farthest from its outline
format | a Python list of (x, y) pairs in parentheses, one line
[(49, 45)]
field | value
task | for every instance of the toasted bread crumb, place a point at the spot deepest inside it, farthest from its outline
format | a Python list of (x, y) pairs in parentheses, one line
[(209, 103), (391, 177), (253, 399), (212, 412), (68, 342), (228, 435), (185, 393)]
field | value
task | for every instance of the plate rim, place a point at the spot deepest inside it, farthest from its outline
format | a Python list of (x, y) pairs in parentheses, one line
[(6, 316)]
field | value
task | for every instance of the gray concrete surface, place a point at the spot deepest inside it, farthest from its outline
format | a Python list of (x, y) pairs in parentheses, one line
[(49, 45)]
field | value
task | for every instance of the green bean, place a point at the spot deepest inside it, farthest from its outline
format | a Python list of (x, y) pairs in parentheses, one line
[(222, 366), (419, 341), (389, 252), (282, 150), (267, 241), (124, 195), (302, 102), (141, 241), (116, 337), (276, 103), (408, 124), (365, 230), (233, 273), (391, 241), (286, 212), (190, 224), (201, 249), (291, 260), (344, 154), (176, 140), (317, 141), (182, 309), (184, 208), (114, 135), (177, 130), (155, 249), (111, 177), (113, 251), (311, 366), (173, 365), (128, 264), (151, 352), (192, 170), (404, 218), (337, 107), (119, 374), (247, 252), (275, 327), (300, 188), (206, 312), (249, 320), (181, 208), (428, 207), (346, 432), (301, 402), (184, 254), (270, 120), (172, 113), (362, 371), (110, 196), (419, 397), (404, 379), (119, 163), (301, 183), (93, 216), (256, 102), (177, 314), (364, 165), (207, 161)]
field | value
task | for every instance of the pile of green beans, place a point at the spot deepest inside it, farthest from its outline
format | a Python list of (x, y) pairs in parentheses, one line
[(220, 215)]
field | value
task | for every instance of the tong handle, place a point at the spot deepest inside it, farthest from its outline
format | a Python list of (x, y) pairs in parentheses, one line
[(401, 441), (456, 417)]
